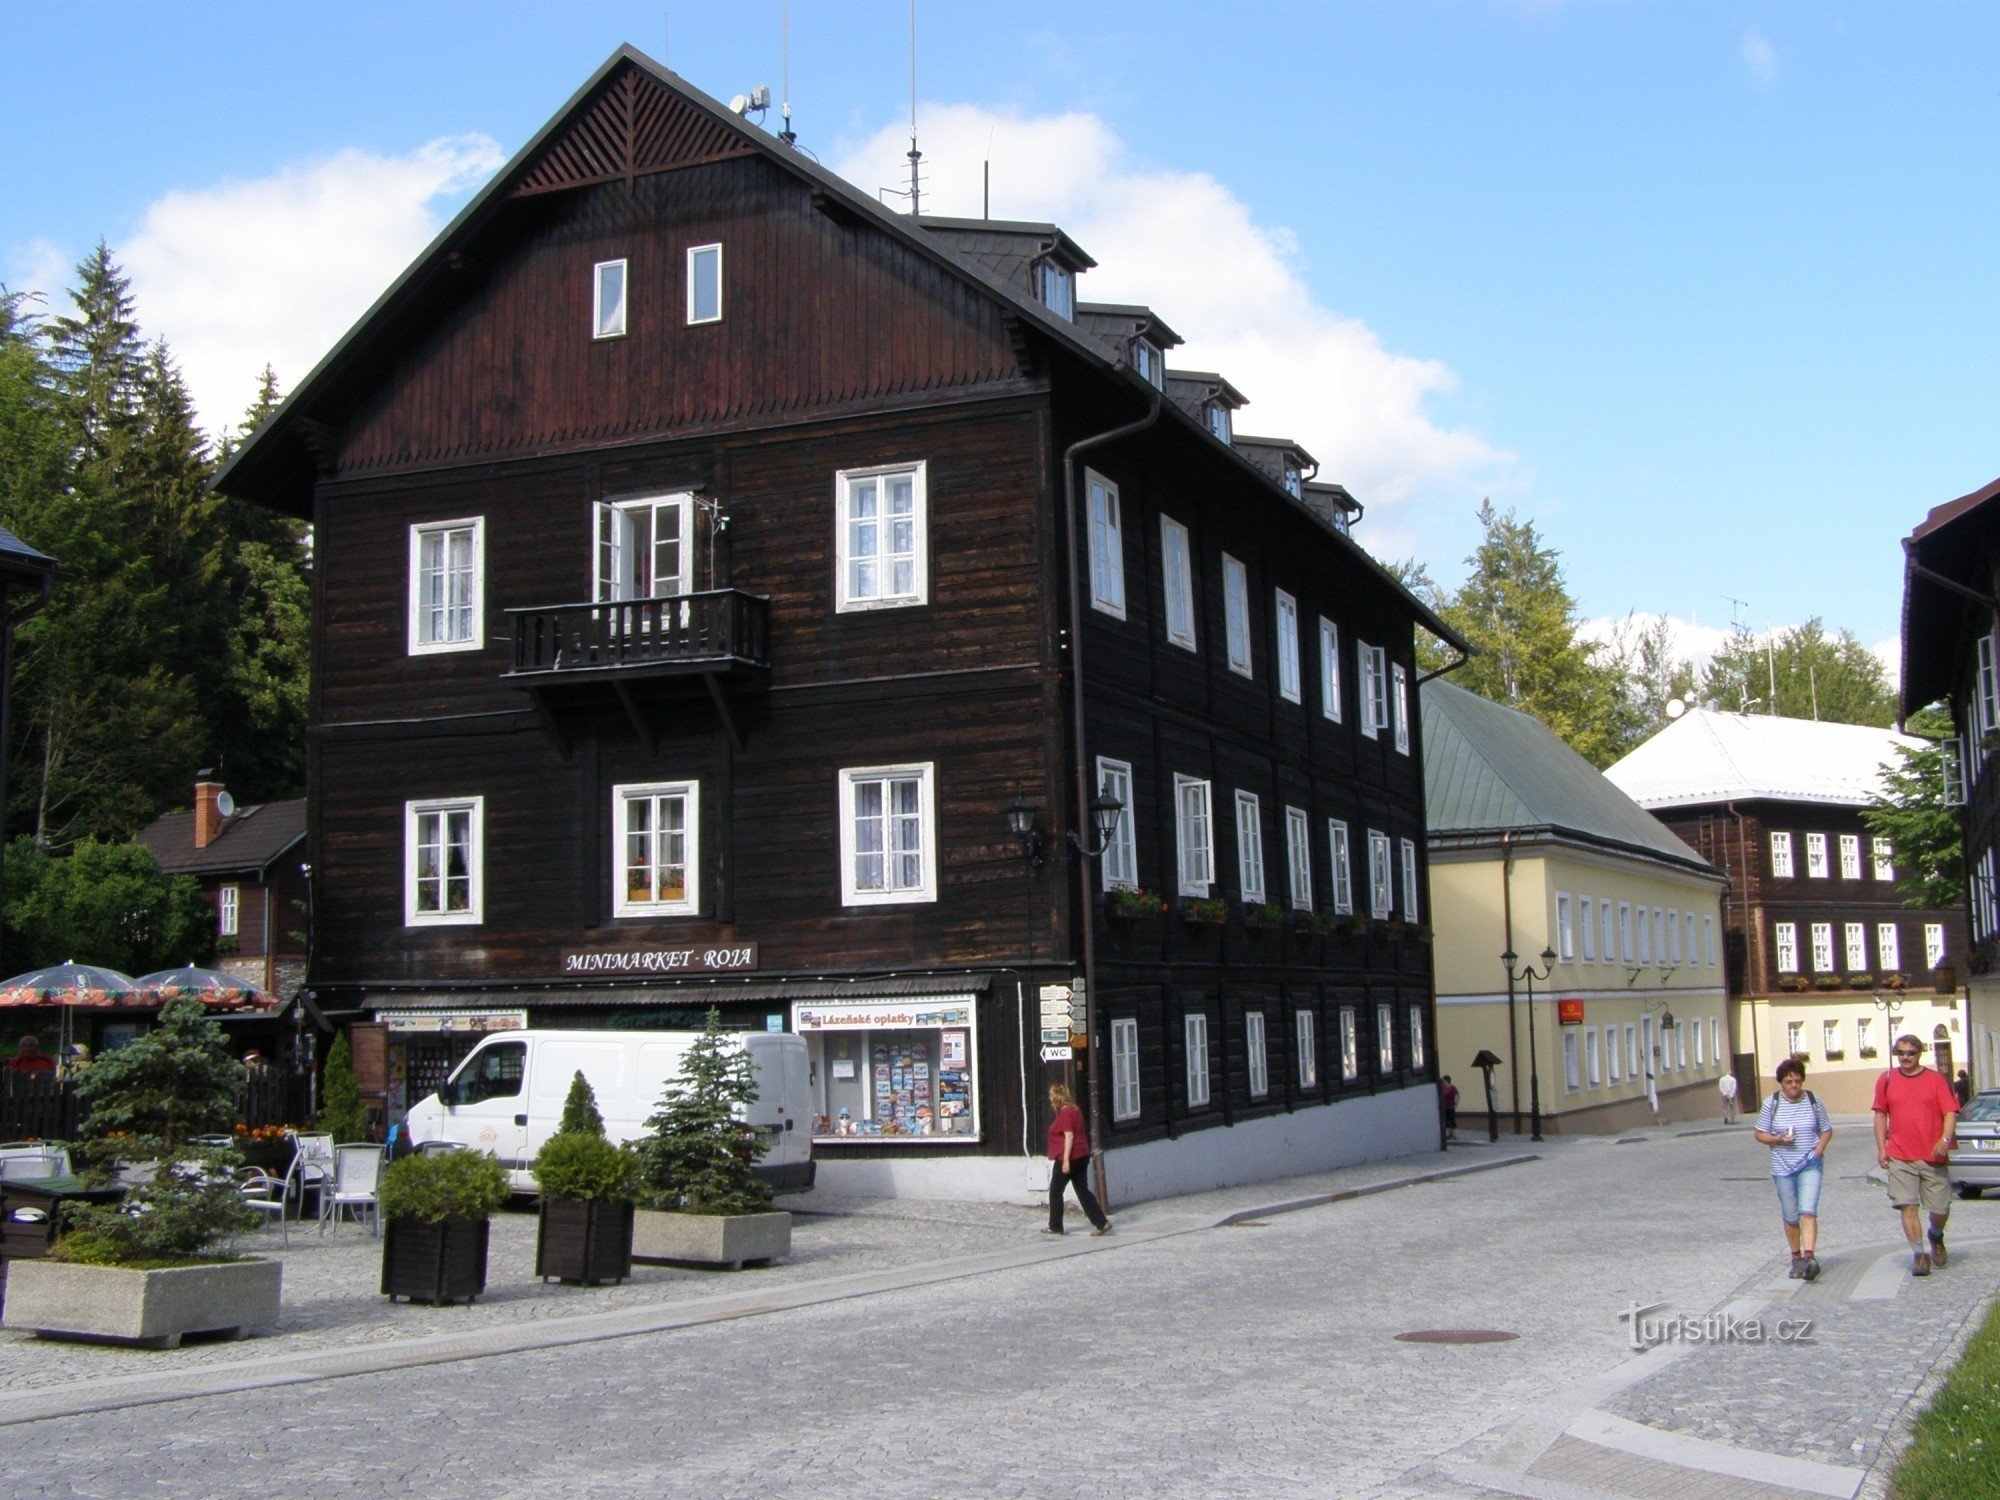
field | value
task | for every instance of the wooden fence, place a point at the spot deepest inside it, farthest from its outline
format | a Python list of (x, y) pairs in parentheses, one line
[(40, 1106)]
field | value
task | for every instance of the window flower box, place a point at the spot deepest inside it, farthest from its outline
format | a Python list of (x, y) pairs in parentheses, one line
[(1861, 981), (1895, 981), (1868, 1052), (1792, 984), (1827, 982), (1210, 911), (1134, 905), (1264, 916)]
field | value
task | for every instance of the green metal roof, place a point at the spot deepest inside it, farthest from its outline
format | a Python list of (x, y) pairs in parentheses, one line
[(1490, 769)]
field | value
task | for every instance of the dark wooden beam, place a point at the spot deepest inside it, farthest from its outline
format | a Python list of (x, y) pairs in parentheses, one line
[(722, 709), (648, 735)]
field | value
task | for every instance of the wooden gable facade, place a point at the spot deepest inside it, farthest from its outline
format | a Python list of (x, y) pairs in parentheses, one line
[(697, 663)]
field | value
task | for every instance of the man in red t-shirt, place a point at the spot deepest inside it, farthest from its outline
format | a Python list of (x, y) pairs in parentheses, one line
[(1916, 1113), (31, 1058)]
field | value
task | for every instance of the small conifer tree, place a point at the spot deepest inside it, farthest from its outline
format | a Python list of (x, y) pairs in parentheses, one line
[(701, 1152), (580, 1114), (340, 1112)]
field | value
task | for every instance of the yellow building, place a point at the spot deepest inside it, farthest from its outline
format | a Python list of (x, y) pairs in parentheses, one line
[(1613, 922)]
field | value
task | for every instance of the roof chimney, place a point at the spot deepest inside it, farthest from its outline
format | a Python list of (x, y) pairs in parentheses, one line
[(207, 812)]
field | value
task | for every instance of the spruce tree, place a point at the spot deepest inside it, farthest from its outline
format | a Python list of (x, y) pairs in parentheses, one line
[(157, 1093), (701, 1151), (340, 1113), (580, 1115)]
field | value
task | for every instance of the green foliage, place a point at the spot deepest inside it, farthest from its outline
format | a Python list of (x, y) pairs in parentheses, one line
[(340, 1112), (586, 1168), (1923, 832), (192, 1202), (1814, 675), (1955, 1445), (156, 1093), (448, 1185), (701, 1153), (580, 1116), (103, 903)]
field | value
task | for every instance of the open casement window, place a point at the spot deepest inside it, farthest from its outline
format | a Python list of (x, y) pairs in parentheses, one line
[(1341, 867), (607, 300), (882, 538), (644, 548), (1107, 546), (1329, 669), (888, 838), (443, 862), (1986, 696), (1256, 1053), (447, 585), (1399, 705), (1236, 613), (1121, 856), (1193, 837), (1286, 610), (657, 842), (1177, 568), (704, 284), (1125, 1068), (1381, 878), (1374, 688), (1147, 361), (1250, 847), (1298, 857)]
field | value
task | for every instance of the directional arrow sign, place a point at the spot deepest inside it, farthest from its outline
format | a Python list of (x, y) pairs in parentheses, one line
[(1055, 1034), (1055, 1054)]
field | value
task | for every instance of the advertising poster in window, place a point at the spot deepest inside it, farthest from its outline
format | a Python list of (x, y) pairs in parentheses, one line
[(891, 1072)]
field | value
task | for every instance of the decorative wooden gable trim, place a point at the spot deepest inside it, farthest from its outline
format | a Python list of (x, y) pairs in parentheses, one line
[(634, 127)]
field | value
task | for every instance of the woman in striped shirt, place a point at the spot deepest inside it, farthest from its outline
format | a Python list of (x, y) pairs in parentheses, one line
[(1797, 1128)]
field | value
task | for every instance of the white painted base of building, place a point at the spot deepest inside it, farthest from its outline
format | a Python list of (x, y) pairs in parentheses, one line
[(1311, 1140)]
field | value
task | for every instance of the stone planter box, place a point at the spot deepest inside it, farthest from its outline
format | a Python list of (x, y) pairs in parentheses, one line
[(155, 1308), (732, 1240), (435, 1263), (584, 1244)]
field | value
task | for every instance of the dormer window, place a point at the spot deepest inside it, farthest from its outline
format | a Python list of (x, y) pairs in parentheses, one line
[(1218, 420), (1294, 482), (607, 312), (1149, 363), (1057, 285)]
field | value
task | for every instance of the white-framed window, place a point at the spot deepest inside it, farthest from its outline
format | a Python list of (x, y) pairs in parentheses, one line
[(1795, 1038), (1632, 1051), (1674, 935), (1625, 930), (1249, 847), (1385, 1038), (1416, 1036), (1107, 545), (1350, 1044), (1884, 859), (704, 284), (1294, 481), (1236, 613), (447, 585), (1781, 856), (644, 547), (1857, 946), (443, 862), (1829, 1037), (1816, 866), (1986, 694), (1572, 1067), (1593, 1064), (1586, 929), (1298, 857), (1715, 1040), (1286, 609), (1681, 1048), (1177, 573), (1850, 856), (1822, 947), (1341, 865), (1196, 1030), (1700, 1055), (1218, 421), (1308, 1048), (1659, 935), (888, 834), (228, 904), (607, 300), (1194, 840), (1381, 877), (881, 537), (1888, 947), (1399, 705), (1608, 916), (1565, 927), (1708, 940), (1124, 1068), (1933, 944), (1412, 904), (1374, 688), (1149, 363), (1121, 856), (1864, 1033), (1329, 669), (1256, 1053), (1612, 1073), (1645, 937), (656, 859), (1057, 287), (1787, 934)]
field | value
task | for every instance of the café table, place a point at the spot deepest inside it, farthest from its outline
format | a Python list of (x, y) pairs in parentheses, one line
[(31, 1211)]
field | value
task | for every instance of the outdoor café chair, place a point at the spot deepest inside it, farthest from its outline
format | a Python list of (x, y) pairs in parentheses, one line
[(266, 1194), (356, 1170), (24, 1166), (312, 1159)]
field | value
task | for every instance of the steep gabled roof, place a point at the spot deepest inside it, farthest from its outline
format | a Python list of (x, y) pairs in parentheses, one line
[(1491, 770), (1954, 544), (251, 838), (1706, 757)]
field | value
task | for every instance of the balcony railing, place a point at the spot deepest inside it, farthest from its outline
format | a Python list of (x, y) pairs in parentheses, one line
[(718, 630)]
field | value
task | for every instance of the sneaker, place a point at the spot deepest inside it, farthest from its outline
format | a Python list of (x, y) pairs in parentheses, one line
[(1055, 1232), (1102, 1229), (1798, 1268), (1939, 1255), (1811, 1270), (1922, 1267)]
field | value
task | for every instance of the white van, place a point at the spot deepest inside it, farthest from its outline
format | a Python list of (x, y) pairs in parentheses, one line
[(507, 1097)]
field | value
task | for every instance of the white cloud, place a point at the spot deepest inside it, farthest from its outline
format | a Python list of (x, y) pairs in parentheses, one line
[(1184, 245), (1760, 57), (1689, 641), (275, 269)]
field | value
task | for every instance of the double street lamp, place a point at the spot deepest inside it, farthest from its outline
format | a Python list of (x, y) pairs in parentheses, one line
[(1528, 974)]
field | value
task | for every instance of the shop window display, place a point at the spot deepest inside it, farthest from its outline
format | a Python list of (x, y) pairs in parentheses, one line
[(891, 1072)]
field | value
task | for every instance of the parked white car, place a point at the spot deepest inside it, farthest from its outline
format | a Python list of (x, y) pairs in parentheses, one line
[(1975, 1164)]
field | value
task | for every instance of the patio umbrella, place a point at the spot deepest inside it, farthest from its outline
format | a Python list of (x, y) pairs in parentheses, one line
[(72, 984), (212, 987)]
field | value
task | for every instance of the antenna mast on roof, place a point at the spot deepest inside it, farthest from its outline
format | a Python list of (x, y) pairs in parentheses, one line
[(1771, 661), (916, 156), (785, 91)]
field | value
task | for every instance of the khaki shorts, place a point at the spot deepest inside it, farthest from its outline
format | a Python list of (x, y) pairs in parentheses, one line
[(1920, 1184)]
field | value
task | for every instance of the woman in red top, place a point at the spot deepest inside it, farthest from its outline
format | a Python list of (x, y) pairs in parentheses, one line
[(1069, 1151)]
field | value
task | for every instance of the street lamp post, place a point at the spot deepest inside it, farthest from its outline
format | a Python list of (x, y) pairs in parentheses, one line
[(1528, 975)]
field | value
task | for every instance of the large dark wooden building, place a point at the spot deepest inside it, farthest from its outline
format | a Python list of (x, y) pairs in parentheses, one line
[(713, 569)]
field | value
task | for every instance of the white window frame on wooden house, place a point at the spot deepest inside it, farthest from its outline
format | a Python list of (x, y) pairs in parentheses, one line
[(1055, 287), (1417, 1049), (888, 834), (1194, 1028), (431, 830), (1857, 947), (1220, 426), (1340, 860), (1933, 944), (704, 284), (1822, 947), (1888, 947), (1256, 1052), (1399, 705), (1249, 848), (1350, 1044), (1850, 856), (1381, 877), (665, 840), (1374, 689), (1298, 857), (1785, 936), (1194, 836), (1306, 1049), (228, 910), (1985, 696), (881, 555), (1285, 615), (1329, 669), (1148, 362), (1385, 1038), (447, 585), (1884, 858), (1177, 581), (1120, 865), (1413, 906), (1107, 545), (1816, 864), (1781, 856), (1124, 1068), (644, 547), (1236, 614), (610, 297)]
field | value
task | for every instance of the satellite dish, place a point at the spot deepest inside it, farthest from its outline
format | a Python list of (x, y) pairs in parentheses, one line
[(738, 104), (225, 804), (1675, 708)]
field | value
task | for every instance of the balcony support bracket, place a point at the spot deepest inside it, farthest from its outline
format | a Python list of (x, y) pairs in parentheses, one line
[(551, 725), (648, 735), (722, 709)]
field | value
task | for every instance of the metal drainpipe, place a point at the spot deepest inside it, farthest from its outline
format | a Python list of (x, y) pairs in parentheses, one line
[(1086, 921), (1513, 1025), (1756, 1028)]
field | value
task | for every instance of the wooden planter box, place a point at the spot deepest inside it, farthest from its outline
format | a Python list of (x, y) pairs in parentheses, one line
[(435, 1263), (584, 1244), (154, 1308), (732, 1240)]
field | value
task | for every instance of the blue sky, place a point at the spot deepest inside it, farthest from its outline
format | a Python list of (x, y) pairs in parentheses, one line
[(1707, 290)]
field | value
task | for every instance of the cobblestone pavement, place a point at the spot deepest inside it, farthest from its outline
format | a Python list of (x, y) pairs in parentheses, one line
[(927, 1349)]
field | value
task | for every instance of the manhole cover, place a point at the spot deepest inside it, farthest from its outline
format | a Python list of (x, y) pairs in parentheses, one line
[(1456, 1336)]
